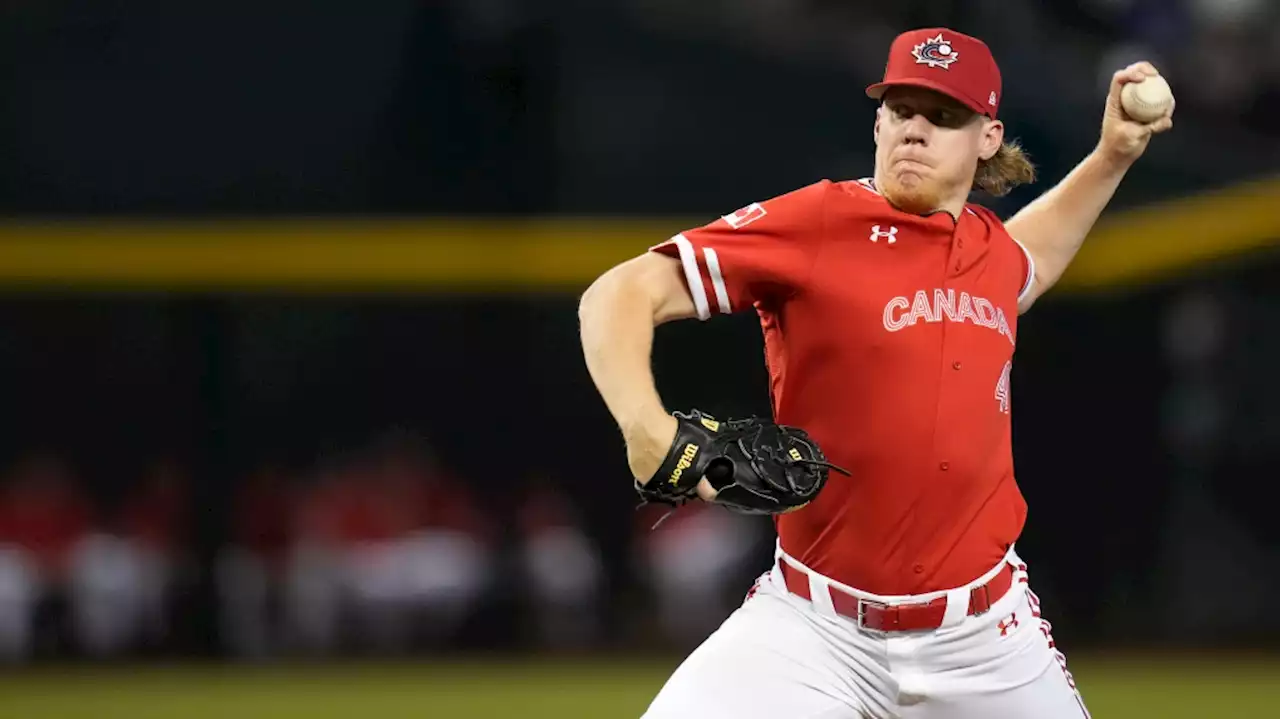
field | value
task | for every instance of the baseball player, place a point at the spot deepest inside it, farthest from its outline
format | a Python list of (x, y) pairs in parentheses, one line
[(889, 307)]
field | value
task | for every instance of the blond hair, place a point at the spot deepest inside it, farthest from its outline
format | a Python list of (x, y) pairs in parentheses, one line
[(1007, 169)]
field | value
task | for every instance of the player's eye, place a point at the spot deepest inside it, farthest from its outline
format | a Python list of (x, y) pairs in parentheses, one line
[(943, 117), (947, 117)]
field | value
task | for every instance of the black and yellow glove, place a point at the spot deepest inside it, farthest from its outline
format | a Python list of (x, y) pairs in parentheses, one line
[(755, 465)]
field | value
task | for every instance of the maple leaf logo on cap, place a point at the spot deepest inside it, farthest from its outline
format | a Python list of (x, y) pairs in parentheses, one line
[(935, 52)]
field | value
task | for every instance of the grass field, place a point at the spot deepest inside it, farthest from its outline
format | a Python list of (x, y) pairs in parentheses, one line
[(1164, 688)]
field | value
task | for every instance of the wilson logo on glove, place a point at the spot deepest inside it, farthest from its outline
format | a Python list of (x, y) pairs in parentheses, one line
[(686, 461), (754, 465)]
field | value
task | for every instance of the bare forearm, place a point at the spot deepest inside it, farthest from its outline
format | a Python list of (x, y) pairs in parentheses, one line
[(1055, 225)]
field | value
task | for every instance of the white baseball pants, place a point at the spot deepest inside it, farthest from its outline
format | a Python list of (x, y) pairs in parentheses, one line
[(779, 655)]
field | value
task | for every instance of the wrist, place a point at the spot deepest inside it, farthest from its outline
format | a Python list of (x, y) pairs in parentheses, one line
[(642, 422), (1110, 160)]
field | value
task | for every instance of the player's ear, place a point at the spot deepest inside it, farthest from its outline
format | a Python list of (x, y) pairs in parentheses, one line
[(875, 131), (992, 139)]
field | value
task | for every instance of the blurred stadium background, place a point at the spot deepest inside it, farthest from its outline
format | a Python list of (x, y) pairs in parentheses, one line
[(295, 418)]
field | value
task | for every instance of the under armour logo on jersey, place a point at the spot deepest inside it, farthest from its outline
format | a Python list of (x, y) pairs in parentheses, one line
[(891, 235), (1006, 624)]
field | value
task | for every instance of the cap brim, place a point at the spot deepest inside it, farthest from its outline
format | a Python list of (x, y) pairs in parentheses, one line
[(877, 91)]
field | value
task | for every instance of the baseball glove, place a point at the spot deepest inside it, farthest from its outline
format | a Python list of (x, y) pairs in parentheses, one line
[(755, 466)]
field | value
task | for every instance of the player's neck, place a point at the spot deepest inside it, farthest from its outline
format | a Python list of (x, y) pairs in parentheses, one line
[(954, 206)]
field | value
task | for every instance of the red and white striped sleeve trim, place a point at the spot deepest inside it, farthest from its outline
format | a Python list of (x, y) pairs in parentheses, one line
[(693, 274), (1031, 271)]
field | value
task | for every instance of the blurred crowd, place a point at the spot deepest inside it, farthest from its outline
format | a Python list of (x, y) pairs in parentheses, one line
[(104, 577), (382, 553)]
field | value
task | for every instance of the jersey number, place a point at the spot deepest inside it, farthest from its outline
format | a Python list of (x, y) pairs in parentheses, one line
[(1002, 387)]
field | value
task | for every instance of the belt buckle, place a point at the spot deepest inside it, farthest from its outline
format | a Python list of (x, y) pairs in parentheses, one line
[(862, 614)]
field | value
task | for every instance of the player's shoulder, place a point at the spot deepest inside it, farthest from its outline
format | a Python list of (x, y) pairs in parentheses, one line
[(988, 217), (994, 229), (858, 200), (815, 191), (802, 199), (796, 205), (860, 191), (825, 188), (984, 213), (1005, 244)]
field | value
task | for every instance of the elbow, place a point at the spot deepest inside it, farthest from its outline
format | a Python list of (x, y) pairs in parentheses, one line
[(594, 296), (604, 293), (586, 301), (652, 285)]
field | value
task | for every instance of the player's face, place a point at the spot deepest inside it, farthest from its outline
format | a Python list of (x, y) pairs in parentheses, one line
[(928, 147)]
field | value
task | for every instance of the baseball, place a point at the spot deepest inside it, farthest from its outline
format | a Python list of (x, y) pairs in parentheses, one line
[(1147, 101)]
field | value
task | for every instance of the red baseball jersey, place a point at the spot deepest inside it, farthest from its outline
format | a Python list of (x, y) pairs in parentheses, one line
[(889, 337)]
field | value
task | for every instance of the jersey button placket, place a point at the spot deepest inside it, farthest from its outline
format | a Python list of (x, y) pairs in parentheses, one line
[(954, 262), (957, 245)]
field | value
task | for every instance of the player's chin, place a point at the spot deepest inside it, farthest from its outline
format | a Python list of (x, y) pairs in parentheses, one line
[(909, 179), (911, 193)]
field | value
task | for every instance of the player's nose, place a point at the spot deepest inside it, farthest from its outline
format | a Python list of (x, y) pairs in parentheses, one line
[(917, 130)]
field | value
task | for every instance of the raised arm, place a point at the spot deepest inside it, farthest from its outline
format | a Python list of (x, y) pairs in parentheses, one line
[(1055, 225)]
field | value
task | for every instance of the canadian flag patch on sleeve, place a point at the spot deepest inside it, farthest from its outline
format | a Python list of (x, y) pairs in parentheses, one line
[(745, 216)]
